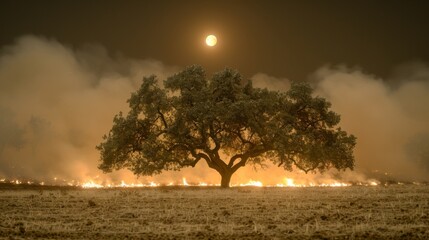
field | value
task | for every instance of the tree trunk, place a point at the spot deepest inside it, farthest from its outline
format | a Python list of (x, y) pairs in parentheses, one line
[(226, 178)]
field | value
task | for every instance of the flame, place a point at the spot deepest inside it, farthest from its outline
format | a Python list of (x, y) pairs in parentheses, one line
[(184, 182), (373, 183), (91, 184), (123, 184), (289, 182), (252, 183), (16, 182), (96, 182), (153, 184)]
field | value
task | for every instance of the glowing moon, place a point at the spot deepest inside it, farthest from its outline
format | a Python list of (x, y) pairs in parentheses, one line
[(211, 40)]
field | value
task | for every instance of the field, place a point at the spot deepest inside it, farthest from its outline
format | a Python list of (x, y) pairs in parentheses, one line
[(357, 212)]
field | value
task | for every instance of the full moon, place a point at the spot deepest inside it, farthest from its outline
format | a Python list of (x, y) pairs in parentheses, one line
[(211, 40)]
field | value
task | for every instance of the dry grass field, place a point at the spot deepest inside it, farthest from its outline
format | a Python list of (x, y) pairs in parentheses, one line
[(357, 212)]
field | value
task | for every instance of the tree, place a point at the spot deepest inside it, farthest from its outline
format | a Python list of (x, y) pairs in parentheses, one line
[(226, 123)]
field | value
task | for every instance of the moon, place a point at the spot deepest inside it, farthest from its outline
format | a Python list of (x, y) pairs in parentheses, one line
[(211, 40)]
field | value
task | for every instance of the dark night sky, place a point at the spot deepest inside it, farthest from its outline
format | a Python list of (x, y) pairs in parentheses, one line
[(282, 38)]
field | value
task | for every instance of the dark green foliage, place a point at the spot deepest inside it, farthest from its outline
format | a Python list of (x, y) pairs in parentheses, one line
[(226, 123)]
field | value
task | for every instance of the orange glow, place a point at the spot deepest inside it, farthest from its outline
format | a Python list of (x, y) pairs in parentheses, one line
[(91, 184), (251, 183), (287, 182), (185, 183), (373, 183)]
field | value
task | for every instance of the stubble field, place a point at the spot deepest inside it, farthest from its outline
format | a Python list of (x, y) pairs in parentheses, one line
[(357, 212)]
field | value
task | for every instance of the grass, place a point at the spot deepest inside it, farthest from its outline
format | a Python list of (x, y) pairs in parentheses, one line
[(357, 212)]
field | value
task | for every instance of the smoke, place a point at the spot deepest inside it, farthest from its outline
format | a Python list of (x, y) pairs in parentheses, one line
[(261, 80), (56, 102), (385, 118), (389, 117)]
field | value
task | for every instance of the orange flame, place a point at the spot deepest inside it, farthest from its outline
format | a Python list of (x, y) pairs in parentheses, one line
[(287, 182), (251, 183), (91, 184), (184, 182)]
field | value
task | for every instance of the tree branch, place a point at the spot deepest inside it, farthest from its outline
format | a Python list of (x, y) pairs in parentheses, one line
[(198, 157), (243, 141), (162, 118), (233, 159), (245, 156), (306, 170), (212, 135)]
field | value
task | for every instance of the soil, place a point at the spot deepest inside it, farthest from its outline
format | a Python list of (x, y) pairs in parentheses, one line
[(356, 212)]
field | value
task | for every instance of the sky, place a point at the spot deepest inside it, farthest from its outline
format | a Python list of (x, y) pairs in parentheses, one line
[(287, 39), (67, 67)]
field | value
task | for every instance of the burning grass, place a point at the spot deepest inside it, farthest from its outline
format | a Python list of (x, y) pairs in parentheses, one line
[(360, 212), (287, 182)]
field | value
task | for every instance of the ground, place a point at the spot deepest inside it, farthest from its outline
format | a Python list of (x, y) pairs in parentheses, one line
[(356, 212)]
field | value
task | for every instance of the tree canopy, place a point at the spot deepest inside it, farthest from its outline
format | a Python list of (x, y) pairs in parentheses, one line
[(226, 122)]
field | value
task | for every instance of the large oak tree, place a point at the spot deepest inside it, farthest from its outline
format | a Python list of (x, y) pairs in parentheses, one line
[(227, 123)]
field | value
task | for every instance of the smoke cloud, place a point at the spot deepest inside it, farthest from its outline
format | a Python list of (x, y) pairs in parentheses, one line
[(387, 119), (56, 102)]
